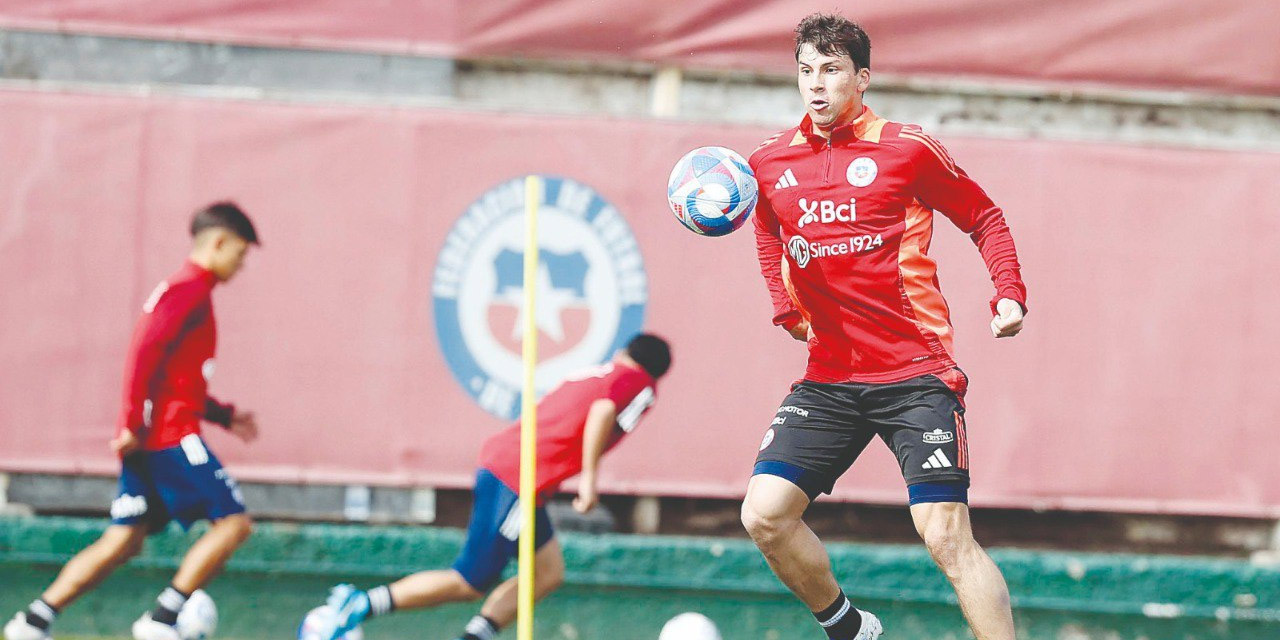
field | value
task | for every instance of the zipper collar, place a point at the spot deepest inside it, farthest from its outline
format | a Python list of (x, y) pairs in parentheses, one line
[(844, 133)]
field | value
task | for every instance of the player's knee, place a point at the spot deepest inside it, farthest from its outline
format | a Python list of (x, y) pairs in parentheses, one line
[(764, 528), (131, 548), (467, 593), (946, 543), (554, 581), (119, 545), (462, 591), (239, 527)]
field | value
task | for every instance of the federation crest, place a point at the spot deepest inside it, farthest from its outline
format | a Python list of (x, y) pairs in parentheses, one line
[(592, 289), (862, 171)]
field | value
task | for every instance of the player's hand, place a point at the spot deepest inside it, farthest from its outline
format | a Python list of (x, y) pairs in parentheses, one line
[(125, 443), (802, 331), (1008, 322), (244, 426), (587, 498)]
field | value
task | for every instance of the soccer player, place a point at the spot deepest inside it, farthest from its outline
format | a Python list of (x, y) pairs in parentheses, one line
[(843, 227), (167, 471), (586, 416)]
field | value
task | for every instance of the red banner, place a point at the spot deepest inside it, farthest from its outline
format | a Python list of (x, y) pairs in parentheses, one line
[(1144, 380), (1189, 44)]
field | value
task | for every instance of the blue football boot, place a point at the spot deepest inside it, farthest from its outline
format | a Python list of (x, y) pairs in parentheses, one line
[(350, 606)]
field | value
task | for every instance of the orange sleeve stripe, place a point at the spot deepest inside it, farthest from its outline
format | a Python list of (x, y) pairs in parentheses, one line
[(919, 273), (934, 146), (791, 290)]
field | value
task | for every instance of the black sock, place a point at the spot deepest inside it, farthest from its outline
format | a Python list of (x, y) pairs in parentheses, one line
[(40, 614), (168, 604), (841, 620), (480, 628), (380, 601)]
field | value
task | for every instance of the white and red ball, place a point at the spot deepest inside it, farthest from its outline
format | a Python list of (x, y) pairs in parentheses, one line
[(712, 191)]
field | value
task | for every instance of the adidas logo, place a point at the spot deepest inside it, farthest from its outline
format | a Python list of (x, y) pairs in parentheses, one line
[(788, 179), (937, 460)]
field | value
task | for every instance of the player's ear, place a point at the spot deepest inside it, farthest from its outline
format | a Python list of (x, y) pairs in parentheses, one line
[(864, 79)]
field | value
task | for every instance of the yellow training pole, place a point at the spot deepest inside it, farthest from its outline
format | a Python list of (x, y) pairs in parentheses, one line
[(528, 411)]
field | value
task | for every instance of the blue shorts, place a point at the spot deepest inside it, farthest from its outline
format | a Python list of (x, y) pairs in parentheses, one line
[(184, 483), (493, 532)]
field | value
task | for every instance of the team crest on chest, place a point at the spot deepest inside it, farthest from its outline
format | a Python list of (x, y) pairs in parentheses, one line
[(862, 171)]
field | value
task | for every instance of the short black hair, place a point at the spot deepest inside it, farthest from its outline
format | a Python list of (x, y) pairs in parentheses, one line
[(834, 35), (224, 215), (650, 352)]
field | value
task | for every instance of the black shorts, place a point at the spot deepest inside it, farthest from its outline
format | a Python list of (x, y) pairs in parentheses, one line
[(822, 428)]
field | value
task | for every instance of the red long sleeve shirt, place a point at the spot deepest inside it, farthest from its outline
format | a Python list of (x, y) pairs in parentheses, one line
[(843, 229), (170, 361)]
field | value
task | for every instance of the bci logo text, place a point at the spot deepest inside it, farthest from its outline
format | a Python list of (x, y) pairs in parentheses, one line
[(827, 211)]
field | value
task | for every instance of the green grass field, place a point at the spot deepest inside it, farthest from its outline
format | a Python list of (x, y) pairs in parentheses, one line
[(257, 606), (626, 587)]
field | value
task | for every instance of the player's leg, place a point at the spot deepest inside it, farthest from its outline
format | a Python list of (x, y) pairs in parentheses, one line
[(922, 421), (81, 574), (135, 511), (500, 607), (431, 588), (979, 585), (814, 439), (194, 486), (772, 514), (489, 546), (207, 556)]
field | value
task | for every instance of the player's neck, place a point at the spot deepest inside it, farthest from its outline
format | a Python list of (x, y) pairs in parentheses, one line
[(846, 119), (201, 259)]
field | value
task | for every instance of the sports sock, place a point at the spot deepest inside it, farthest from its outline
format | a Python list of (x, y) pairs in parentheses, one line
[(841, 620), (168, 604), (480, 628), (380, 601), (41, 614)]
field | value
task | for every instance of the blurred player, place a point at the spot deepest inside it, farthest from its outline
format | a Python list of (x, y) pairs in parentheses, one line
[(167, 472), (586, 416), (843, 228)]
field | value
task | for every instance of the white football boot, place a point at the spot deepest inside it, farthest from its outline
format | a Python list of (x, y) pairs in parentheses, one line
[(145, 628), (19, 629), (871, 628)]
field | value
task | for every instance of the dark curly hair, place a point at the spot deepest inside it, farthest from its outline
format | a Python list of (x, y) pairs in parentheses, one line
[(834, 35)]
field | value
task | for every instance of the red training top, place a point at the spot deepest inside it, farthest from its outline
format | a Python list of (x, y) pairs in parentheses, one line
[(170, 362), (854, 218), (562, 418)]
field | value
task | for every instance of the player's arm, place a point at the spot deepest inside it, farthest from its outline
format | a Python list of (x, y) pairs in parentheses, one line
[(769, 252), (164, 318), (601, 422), (942, 185), (241, 424)]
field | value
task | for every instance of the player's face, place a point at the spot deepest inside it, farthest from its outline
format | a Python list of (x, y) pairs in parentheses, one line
[(831, 87), (228, 256)]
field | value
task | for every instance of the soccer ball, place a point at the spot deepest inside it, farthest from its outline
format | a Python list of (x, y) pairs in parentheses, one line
[(712, 191), (689, 626), (198, 618), (321, 618)]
